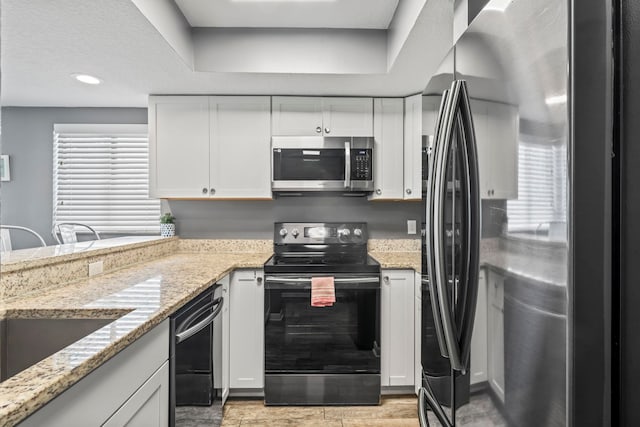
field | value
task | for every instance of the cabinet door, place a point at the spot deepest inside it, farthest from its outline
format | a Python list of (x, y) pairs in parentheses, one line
[(430, 110), (483, 142), (397, 328), (388, 155), (240, 147), (413, 148), (496, 334), (502, 122), (347, 116), (179, 146), (296, 116), (479, 349), (417, 340), (246, 347), (149, 405), (226, 331)]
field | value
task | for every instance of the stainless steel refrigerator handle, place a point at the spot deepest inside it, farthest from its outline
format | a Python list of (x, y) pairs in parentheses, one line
[(431, 230), (448, 325), (472, 263), (192, 330), (347, 164), (426, 397), (274, 279)]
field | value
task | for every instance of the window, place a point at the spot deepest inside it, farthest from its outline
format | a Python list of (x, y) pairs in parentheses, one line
[(542, 188), (101, 178)]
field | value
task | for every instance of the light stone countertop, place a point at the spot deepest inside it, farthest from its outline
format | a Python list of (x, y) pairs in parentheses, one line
[(144, 295), (41, 256), (398, 260)]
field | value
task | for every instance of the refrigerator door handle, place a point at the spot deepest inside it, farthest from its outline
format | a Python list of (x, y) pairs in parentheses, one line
[(471, 261), (435, 170), (426, 398), (439, 197)]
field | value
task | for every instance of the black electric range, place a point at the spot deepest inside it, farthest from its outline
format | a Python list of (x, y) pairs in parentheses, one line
[(327, 355)]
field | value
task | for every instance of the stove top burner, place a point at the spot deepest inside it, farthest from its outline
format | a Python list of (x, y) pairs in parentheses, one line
[(320, 247)]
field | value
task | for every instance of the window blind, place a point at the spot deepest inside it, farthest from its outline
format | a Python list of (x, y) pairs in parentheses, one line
[(542, 182), (101, 178)]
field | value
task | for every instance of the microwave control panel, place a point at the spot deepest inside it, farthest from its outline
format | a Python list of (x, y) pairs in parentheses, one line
[(361, 161)]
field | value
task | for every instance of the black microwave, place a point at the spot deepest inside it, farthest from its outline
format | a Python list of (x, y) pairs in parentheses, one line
[(316, 163)]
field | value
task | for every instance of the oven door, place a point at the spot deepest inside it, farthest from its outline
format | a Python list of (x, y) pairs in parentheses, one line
[(322, 355)]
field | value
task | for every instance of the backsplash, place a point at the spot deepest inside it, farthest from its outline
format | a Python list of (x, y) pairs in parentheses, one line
[(254, 219)]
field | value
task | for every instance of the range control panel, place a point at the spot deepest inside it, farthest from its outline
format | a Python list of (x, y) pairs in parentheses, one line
[(320, 233), (361, 164)]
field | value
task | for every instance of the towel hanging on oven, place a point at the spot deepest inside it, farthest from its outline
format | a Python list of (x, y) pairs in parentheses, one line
[(323, 292)]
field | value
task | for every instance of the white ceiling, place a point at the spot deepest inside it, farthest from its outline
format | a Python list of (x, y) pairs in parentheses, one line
[(43, 42), (369, 14)]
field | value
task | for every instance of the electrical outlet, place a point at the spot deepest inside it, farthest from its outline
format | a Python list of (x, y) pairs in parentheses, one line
[(411, 226), (96, 268)]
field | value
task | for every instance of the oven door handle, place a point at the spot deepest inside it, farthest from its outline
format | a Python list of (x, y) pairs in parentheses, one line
[(191, 329), (347, 164), (274, 279)]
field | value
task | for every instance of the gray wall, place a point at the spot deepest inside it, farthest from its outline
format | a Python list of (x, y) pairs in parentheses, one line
[(27, 137), (254, 219)]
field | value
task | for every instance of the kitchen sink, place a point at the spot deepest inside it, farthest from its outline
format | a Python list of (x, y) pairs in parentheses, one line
[(25, 342)]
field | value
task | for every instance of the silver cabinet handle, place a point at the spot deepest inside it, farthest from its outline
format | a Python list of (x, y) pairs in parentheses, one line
[(212, 191), (308, 279), (259, 280), (327, 130), (347, 164), (408, 191), (378, 191), (318, 129), (386, 279), (205, 191)]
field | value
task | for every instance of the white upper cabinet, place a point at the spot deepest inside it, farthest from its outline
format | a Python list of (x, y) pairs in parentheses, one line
[(496, 127), (240, 147), (430, 109), (296, 116), (209, 147), (413, 147), (307, 116), (388, 151), (347, 116), (178, 146)]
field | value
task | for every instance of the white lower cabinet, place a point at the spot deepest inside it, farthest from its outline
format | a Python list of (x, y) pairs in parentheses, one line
[(417, 342), (148, 406), (223, 349), (129, 389), (479, 351), (495, 338), (397, 301), (246, 338)]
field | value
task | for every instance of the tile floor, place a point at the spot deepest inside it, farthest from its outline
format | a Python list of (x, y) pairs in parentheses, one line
[(395, 411)]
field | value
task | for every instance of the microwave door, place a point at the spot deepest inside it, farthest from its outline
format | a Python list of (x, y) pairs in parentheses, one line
[(303, 169)]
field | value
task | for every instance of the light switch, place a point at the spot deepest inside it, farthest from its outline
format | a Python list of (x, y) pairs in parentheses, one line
[(95, 268), (411, 226)]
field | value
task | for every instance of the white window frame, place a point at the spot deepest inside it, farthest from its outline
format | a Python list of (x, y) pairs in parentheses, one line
[(97, 188)]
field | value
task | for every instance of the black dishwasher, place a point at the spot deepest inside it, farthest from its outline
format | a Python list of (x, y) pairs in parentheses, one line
[(193, 398)]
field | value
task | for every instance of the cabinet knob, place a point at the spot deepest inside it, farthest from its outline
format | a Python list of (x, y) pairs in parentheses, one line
[(378, 191), (408, 191), (318, 129), (205, 191), (488, 192), (386, 279), (327, 130), (259, 280), (212, 191)]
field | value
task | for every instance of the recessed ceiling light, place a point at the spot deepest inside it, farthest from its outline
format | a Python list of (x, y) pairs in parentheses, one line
[(86, 78), (555, 100)]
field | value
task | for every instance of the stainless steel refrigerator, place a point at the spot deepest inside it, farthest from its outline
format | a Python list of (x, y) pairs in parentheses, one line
[(516, 249)]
